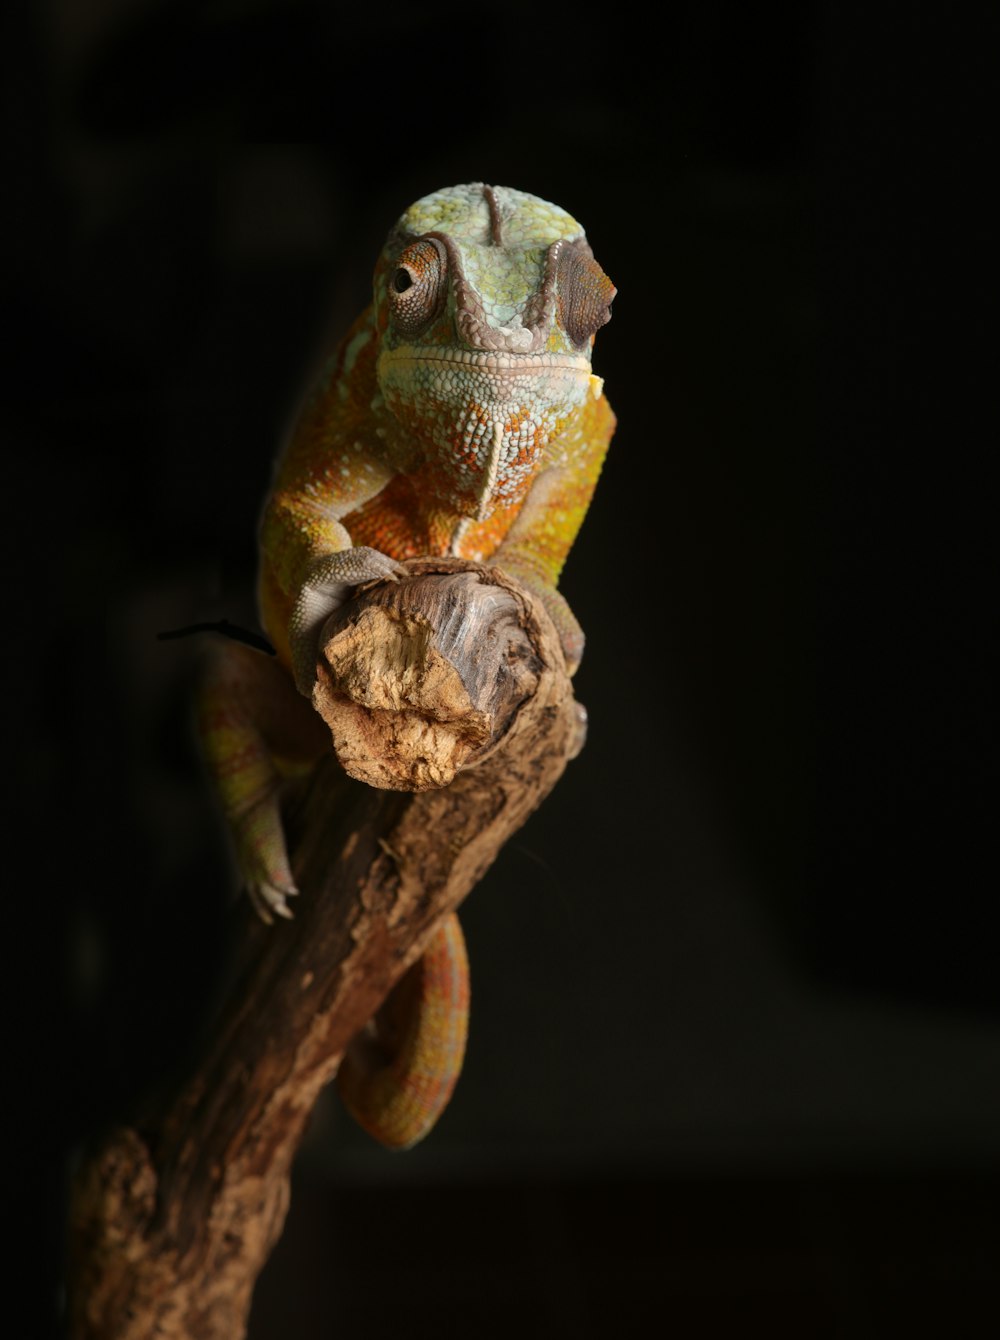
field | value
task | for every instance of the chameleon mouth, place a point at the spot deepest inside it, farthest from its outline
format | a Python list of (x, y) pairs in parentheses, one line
[(491, 361)]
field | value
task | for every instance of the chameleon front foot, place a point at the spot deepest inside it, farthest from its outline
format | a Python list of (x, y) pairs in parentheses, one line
[(327, 586), (571, 637), (568, 627)]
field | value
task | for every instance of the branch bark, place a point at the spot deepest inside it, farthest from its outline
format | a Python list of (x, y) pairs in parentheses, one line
[(452, 679)]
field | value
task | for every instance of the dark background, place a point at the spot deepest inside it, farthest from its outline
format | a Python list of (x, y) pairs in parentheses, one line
[(734, 1049)]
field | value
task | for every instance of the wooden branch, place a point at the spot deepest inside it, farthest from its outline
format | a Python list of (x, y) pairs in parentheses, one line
[(453, 675)]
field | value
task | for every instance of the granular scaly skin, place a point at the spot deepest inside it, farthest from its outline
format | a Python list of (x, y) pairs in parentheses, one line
[(458, 416)]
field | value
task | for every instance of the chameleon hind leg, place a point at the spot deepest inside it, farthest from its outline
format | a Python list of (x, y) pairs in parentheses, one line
[(400, 1071), (255, 731)]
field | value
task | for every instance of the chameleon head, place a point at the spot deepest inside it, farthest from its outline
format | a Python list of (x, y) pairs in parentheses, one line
[(487, 301)]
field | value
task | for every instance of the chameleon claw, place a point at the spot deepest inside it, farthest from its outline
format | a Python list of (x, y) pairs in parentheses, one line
[(269, 901), (259, 905), (391, 574)]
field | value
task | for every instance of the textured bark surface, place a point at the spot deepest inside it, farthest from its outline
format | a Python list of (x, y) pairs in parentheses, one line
[(425, 678), (175, 1214)]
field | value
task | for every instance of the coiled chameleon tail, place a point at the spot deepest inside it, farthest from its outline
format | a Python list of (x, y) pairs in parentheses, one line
[(399, 1074)]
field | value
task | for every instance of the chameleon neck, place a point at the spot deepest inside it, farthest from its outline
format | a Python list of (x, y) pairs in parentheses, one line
[(404, 521)]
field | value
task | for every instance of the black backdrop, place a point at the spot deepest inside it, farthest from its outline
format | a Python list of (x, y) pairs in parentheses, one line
[(734, 1043)]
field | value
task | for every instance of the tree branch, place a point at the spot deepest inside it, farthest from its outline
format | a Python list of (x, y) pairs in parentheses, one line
[(452, 679)]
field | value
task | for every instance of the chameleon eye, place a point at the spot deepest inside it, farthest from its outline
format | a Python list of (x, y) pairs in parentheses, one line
[(417, 287), (585, 293)]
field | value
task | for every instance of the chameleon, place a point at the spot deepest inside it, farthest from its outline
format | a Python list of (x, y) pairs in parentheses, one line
[(459, 415)]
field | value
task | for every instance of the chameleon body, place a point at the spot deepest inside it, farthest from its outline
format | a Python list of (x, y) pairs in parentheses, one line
[(458, 416)]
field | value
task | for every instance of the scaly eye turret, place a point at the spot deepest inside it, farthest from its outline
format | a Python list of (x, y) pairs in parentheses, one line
[(417, 285), (585, 292)]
